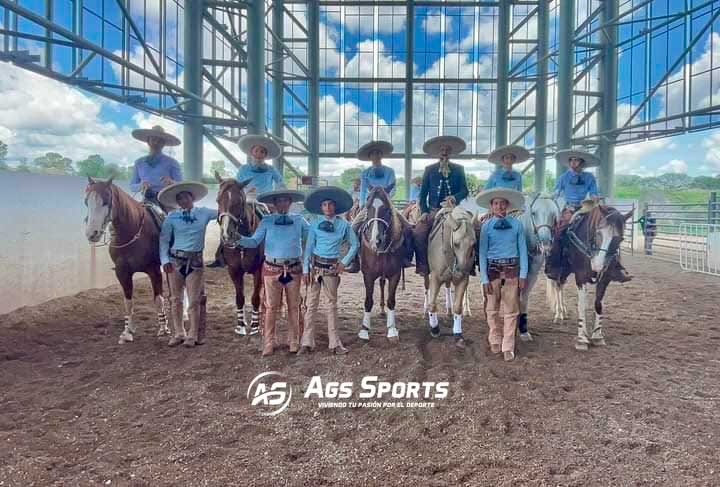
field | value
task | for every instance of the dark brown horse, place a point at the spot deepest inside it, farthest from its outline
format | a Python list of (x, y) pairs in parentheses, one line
[(134, 244), (382, 252), (592, 245), (238, 218)]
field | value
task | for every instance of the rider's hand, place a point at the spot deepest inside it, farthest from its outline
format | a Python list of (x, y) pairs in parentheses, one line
[(168, 268), (487, 289), (144, 186), (450, 200), (167, 180), (340, 268), (522, 283)]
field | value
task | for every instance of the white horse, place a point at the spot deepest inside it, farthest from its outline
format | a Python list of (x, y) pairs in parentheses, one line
[(451, 258)]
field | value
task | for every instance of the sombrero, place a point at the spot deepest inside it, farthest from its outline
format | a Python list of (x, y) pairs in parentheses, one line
[(515, 198), (432, 146), (521, 154), (247, 142), (343, 200), (167, 196), (591, 160), (158, 132), (268, 197), (385, 149)]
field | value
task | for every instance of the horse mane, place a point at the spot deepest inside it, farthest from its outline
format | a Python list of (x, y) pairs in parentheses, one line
[(124, 207)]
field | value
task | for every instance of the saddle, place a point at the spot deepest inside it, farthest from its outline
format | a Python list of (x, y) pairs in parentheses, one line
[(157, 214)]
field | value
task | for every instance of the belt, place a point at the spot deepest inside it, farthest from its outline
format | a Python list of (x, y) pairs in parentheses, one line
[(324, 262), (182, 254), (289, 262), (510, 261)]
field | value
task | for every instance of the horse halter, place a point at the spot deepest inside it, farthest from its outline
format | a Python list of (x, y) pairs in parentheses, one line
[(108, 220), (536, 227), (592, 250), (233, 231), (366, 226)]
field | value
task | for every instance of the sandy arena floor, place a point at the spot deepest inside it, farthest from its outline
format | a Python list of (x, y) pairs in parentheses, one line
[(79, 409)]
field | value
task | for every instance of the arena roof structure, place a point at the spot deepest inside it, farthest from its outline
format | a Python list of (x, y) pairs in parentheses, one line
[(325, 76)]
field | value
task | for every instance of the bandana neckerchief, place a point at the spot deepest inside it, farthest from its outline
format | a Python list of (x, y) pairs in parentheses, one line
[(577, 180), (153, 160), (327, 226), (283, 220), (508, 176), (261, 167), (502, 224), (188, 217), (378, 172)]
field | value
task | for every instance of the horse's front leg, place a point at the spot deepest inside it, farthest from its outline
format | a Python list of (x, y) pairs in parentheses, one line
[(392, 332), (433, 291), (369, 280), (255, 301), (126, 282), (156, 283), (460, 290), (535, 267), (597, 338), (583, 336), (238, 279)]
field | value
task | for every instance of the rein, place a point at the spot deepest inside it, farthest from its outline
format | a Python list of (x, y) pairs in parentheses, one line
[(366, 226)]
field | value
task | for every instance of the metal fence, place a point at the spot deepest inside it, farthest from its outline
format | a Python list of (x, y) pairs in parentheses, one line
[(700, 248)]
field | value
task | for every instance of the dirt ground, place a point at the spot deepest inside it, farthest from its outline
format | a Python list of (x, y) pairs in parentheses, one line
[(79, 409)]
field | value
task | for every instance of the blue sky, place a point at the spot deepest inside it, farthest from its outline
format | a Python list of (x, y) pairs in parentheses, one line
[(38, 114)]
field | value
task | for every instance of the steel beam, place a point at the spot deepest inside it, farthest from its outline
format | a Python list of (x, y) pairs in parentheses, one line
[(409, 48), (313, 127), (278, 59), (564, 86), (193, 51), (608, 88), (541, 105), (256, 67), (503, 48)]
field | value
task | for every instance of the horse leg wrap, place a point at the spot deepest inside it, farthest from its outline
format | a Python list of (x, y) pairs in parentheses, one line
[(162, 324), (255, 322), (598, 338), (127, 333), (434, 325), (240, 327), (457, 324), (364, 333), (392, 329)]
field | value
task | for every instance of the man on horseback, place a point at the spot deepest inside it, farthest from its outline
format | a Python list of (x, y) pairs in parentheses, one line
[(443, 184), (155, 171), (505, 176), (376, 175), (283, 234), (183, 260), (322, 265), (503, 262), (573, 187), (262, 176)]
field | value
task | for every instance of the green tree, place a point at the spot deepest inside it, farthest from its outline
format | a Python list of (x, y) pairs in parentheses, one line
[(706, 182), (93, 166), (53, 163), (348, 175), (219, 167), (3, 151)]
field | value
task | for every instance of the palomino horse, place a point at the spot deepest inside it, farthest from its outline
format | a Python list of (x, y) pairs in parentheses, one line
[(451, 257), (593, 245), (133, 247), (239, 218), (539, 219), (382, 252)]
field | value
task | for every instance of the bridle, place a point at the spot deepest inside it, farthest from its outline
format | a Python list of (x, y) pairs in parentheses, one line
[(537, 228), (107, 223), (234, 232), (592, 250)]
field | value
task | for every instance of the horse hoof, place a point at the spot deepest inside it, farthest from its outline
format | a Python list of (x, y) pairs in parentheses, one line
[(125, 337), (598, 342), (240, 330), (581, 346), (526, 337), (435, 331), (364, 335), (254, 329), (460, 343)]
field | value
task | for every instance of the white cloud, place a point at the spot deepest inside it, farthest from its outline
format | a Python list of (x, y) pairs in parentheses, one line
[(361, 19), (676, 166), (712, 154), (436, 21), (362, 63), (633, 158)]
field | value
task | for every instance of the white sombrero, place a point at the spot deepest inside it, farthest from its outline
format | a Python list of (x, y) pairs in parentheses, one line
[(432, 146), (521, 154), (157, 132), (384, 147), (167, 196), (515, 198), (343, 200), (591, 160), (268, 197), (247, 142)]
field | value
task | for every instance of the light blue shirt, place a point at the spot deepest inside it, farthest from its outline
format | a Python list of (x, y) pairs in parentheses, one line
[(369, 179), (414, 193), (188, 228), (502, 244), (260, 180), (575, 186), (327, 244), (144, 171), (281, 241), (505, 179)]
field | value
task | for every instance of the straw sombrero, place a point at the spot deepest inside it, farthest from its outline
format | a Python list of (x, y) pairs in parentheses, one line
[(591, 160), (268, 197), (384, 147), (432, 146), (343, 200), (158, 132), (167, 196), (521, 154), (247, 142), (515, 198)]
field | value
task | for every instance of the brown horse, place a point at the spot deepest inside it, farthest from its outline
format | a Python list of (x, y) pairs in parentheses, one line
[(238, 218), (134, 245), (382, 252), (592, 244)]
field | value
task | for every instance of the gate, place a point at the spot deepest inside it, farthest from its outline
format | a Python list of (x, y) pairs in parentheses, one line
[(700, 248)]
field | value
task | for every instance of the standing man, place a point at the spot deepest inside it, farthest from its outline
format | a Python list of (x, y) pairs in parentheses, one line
[(283, 234), (263, 177), (155, 171), (355, 191), (505, 176), (443, 184), (183, 261), (322, 265), (503, 267)]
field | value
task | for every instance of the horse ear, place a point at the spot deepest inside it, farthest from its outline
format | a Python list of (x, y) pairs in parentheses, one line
[(244, 183), (629, 214), (109, 181), (218, 178), (90, 180)]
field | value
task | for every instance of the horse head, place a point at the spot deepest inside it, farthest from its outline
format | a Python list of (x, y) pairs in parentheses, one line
[(460, 228), (378, 227), (98, 199), (231, 200), (607, 228), (543, 213)]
